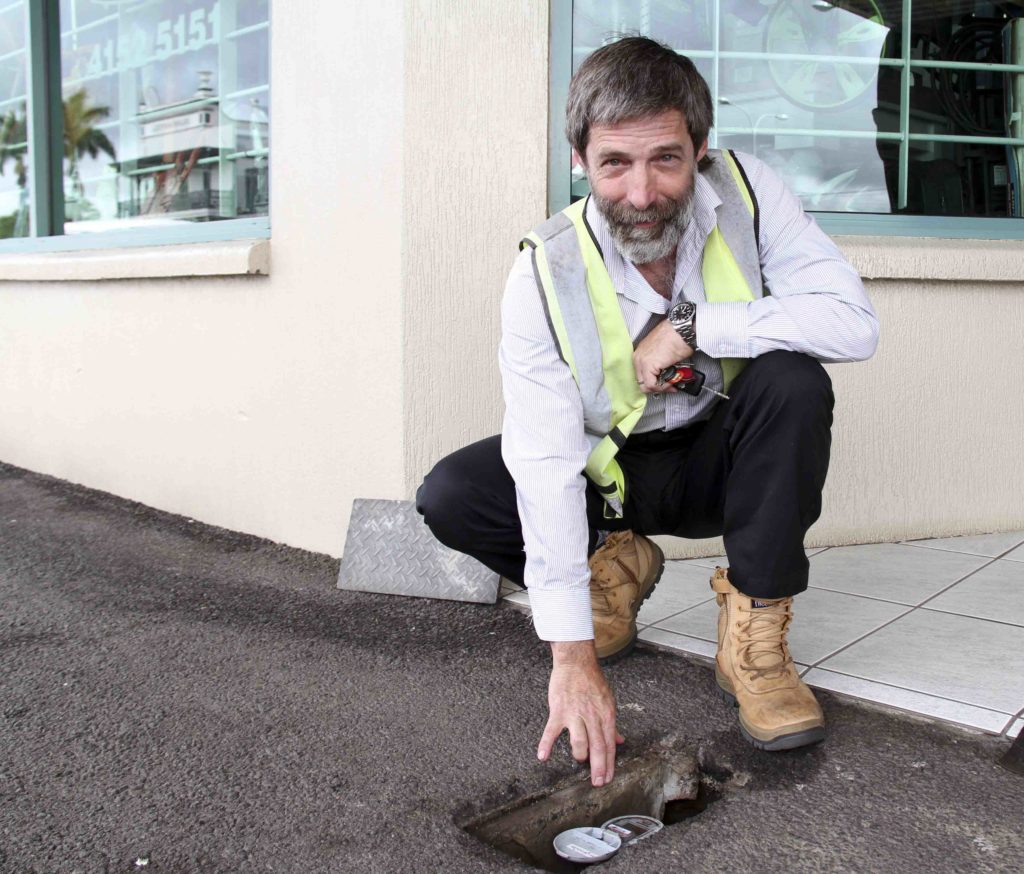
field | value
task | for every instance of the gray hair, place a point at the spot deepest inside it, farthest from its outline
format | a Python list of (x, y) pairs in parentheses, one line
[(636, 77)]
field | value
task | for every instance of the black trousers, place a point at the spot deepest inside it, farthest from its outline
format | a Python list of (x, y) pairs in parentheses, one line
[(753, 473)]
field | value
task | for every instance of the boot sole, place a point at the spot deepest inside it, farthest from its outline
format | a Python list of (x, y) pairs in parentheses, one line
[(792, 741), (620, 654)]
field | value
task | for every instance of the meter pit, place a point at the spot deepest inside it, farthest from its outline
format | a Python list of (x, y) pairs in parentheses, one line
[(664, 782)]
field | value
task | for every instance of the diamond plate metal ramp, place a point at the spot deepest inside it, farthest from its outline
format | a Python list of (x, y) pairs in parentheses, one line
[(391, 551)]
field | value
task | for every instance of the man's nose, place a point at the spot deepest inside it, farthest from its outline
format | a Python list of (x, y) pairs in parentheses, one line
[(641, 193)]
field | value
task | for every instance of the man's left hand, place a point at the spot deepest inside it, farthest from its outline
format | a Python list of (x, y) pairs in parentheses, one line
[(661, 348)]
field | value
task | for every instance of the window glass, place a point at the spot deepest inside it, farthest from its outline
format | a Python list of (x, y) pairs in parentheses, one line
[(14, 153), (166, 111), (858, 109)]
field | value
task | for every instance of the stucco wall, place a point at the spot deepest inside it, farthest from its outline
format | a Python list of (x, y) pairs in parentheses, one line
[(927, 437), (475, 181), (916, 448), (262, 404), (409, 155)]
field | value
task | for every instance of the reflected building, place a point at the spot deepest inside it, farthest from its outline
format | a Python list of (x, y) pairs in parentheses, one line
[(186, 148)]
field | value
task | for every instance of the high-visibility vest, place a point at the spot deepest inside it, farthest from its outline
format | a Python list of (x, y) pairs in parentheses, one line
[(590, 331)]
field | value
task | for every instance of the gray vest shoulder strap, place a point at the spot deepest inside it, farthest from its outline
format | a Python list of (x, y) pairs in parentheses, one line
[(553, 226), (568, 274), (738, 227)]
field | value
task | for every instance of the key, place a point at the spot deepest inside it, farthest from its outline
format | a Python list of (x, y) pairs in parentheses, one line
[(687, 379)]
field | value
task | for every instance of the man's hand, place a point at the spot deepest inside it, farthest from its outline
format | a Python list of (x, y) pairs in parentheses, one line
[(580, 699), (661, 348)]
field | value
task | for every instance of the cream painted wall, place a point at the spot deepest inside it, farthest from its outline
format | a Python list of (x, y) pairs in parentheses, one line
[(929, 434), (262, 404), (916, 452), (476, 98), (409, 156)]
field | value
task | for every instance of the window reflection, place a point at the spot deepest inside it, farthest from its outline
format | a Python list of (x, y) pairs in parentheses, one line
[(14, 149), (858, 109), (166, 110)]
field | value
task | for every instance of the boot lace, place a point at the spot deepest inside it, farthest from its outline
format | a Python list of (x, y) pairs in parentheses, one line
[(763, 650), (603, 571)]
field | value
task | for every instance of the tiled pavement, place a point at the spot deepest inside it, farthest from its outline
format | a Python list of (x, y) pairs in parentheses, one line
[(934, 627)]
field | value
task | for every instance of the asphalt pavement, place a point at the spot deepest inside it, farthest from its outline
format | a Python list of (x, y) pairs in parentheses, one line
[(179, 698)]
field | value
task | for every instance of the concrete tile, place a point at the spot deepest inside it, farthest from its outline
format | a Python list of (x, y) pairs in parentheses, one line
[(995, 592), (521, 597), (1016, 555), (682, 586), (991, 545), (890, 571), (991, 721), (711, 562), (714, 561), (823, 622), (1014, 730), (700, 622), (519, 600), (958, 657), (679, 642)]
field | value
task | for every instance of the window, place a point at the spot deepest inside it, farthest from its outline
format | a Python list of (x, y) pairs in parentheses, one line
[(883, 116), (14, 200), (129, 122)]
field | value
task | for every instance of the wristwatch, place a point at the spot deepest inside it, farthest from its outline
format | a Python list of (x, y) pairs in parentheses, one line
[(681, 316)]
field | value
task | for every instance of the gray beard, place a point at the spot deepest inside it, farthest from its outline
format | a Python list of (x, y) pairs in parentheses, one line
[(644, 245)]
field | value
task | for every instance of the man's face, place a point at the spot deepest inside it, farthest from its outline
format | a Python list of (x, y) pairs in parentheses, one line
[(641, 173)]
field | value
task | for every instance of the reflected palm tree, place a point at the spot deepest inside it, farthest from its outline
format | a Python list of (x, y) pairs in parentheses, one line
[(81, 138), (14, 147), (14, 144)]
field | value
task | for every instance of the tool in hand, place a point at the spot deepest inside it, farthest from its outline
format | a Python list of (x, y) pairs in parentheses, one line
[(687, 379)]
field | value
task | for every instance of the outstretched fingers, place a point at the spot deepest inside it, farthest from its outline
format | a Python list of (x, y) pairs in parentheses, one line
[(580, 700), (547, 740)]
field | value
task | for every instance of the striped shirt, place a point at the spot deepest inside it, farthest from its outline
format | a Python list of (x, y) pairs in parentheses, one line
[(817, 306)]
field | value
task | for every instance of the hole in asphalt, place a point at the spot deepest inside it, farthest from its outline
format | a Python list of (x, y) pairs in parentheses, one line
[(664, 783), (686, 808)]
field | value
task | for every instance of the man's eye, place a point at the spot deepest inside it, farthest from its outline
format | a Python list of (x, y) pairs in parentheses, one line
[(613, 162), (668, 158)]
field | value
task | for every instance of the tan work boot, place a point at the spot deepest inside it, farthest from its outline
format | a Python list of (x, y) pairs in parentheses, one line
[(755, 672), (623, 573)]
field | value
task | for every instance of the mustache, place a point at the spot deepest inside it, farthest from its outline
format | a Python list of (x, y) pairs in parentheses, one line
[(627, 214)]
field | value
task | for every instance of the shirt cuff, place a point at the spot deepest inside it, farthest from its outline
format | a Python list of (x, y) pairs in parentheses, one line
[(722, 329), (562, 614)]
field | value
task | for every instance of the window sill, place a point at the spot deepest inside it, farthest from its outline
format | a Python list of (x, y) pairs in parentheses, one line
[(225, 258), (932, 258)]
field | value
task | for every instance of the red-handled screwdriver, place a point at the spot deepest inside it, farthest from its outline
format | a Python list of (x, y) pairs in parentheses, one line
[(687, 379)]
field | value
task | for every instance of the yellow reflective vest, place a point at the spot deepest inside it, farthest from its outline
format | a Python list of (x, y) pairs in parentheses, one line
[(588, 327)]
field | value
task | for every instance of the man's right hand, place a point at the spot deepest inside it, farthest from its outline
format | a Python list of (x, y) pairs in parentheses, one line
[(580, 700)]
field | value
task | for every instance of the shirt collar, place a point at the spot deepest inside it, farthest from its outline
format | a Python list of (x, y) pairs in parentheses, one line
[(626, 278)]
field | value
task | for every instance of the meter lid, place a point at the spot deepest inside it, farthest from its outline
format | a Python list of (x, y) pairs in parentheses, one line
[(633, 828), (587, 845)]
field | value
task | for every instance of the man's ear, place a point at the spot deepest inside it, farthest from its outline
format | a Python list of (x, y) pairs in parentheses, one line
[(702, 151), (578, 159)]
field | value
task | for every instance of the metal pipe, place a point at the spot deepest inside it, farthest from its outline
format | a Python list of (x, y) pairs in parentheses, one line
[(885, 136), (966, 65), (715, 44), (243, 31), (905, 83)]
